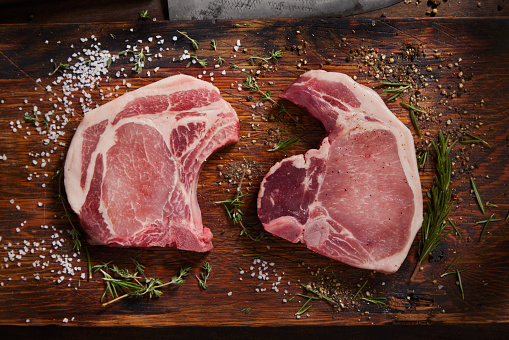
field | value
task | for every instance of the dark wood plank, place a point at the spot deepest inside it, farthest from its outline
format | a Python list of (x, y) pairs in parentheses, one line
[(480, 43)]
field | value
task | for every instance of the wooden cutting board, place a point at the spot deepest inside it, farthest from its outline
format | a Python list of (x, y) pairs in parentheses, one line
[(31, 294)]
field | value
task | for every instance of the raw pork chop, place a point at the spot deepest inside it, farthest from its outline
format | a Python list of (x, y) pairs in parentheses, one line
[(132, 168), (357, 199)]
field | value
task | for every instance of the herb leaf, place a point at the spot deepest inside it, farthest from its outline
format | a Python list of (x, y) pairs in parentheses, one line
[(281, 145), (439, 205), (202, 282), (477, 195)]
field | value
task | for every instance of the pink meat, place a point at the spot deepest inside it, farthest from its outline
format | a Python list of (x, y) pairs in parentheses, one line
[(357, 199), (132, 167)]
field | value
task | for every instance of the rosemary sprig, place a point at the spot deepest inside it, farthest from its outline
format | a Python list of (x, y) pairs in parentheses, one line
[(446, 272), (414, 123), (477, 195), (234, 212), (89, 263), (394, 92), (408, 106), (122, 281), (213, 44), (422, 158), (305, 306), (360, 290), (281, 145), (460, 283), (454, 227), (75, 233), (205, 276), (321, 295), (439, 205), (194, 43), (144, 15), (474, 140), (490, 219), (59, 68), (375, 300)]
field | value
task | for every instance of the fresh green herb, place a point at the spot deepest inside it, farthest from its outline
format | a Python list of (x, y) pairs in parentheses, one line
[(32, 118), (144, 15), (282, 109), (108, 62), (275, 55), (454, 227), (139, 59), (489, 204), (375, 300), (87, 62), (195, 59), (321, 295), (247, 24), (414, 123), (439, 205), (233, 65), (202, 282), (507, 217), (305, 306), (251, 84), (422, 158), (394, 92), (75, 234), (213, 44), (412, 107), (474, 140), (449, 267), (89, 263), (60, 68), (477, 195), (290, 299), (194, 43), (113, 36), (246, 309), (121, 281), (281, 145), (360, 290), (460, 284), (232, 207), (490, 219), (220, 61), (266, 96)]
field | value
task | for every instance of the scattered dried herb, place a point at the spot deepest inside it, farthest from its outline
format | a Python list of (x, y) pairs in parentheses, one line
[(490, 219), (474, 140)]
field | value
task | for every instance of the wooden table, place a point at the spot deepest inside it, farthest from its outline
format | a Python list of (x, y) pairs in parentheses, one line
[(479, 44)]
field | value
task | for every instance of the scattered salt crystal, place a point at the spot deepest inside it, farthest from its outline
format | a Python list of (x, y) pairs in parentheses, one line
[(65, 320), (230, 293), (18, 207)]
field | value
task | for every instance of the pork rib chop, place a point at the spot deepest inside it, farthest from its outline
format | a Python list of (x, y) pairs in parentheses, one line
[(357, 199), (132, 168)]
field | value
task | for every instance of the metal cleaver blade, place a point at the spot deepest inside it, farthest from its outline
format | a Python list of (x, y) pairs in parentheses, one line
[(258, 9)]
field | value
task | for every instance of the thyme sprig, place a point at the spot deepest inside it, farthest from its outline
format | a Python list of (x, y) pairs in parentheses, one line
[(439, 205), (194, 43), (213, 44), (205, 276), (234, 212), (59, 68), (251, 84), (274, 56), (139, 59), (283, 144), (195, 59), (478, 197), (134, 284), (394, 92)]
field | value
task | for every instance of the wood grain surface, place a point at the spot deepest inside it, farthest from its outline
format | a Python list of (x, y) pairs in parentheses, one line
[(481, 108)]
